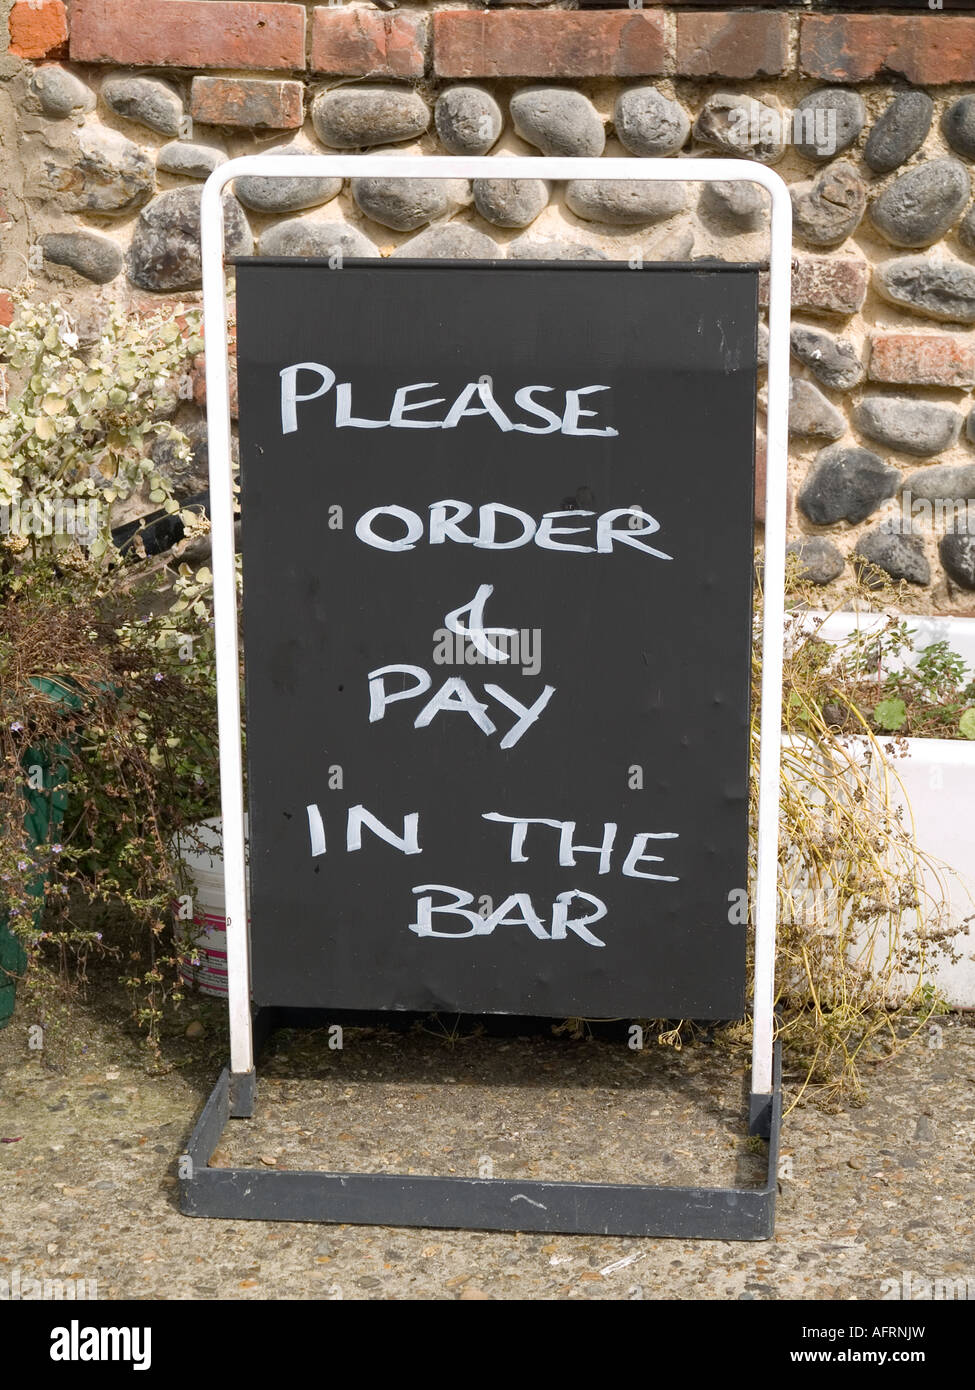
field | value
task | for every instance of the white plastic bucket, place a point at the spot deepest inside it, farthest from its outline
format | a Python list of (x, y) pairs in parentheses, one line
[(206, 934)]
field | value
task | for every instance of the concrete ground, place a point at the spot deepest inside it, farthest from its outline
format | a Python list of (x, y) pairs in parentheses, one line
[(873, 1200)]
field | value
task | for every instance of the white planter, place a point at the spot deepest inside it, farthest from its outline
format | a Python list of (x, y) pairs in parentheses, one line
[(938, 777), (959, 633), (207, 932), (938, 781)]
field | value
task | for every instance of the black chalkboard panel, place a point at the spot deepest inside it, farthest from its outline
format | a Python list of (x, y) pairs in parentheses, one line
[(562, 453)]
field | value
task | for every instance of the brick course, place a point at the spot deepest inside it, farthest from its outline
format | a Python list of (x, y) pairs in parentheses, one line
[(38, 29), (825, 284), (732, 45), (247, 101), (925, 49), (562, 44), (188, 33), (360, 43), (921, 359)]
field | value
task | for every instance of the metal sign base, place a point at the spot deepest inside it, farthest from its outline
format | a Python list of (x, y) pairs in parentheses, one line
[(473, 1204)]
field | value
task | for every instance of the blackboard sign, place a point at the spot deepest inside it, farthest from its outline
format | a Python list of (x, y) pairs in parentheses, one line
[(497, 536)]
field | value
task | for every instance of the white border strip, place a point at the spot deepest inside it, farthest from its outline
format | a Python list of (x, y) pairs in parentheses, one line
[(222, 520)]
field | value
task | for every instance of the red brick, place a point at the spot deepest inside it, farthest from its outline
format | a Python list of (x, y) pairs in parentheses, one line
[(199, 380), (921, 359), (824, 284), (6, 309), (732, 45), (925, 49), (247, 101), (556, 44), (361, 43), (38, 29), (188, 33), (761, 464)]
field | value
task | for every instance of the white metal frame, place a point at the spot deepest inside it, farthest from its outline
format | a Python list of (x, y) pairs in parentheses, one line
[(222, 520)]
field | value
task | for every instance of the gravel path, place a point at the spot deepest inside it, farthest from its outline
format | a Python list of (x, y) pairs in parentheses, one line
[(880, 1193)]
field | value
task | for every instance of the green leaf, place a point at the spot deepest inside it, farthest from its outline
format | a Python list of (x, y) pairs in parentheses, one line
[(966, 724), (890, 714)]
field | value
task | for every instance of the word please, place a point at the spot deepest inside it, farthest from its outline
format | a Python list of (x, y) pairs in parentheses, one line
[(404, 414)]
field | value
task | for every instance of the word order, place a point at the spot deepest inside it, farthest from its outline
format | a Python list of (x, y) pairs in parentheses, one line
[(567, 419), (444, 524)]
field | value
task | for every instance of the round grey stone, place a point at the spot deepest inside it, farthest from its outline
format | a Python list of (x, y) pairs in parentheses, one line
[(190, 158), (625, 202), (307, 236), (648, 124), (740, 125), (741, 205), (958, 126), (93, 256), (147, 100), (558, 121), (60, 92), (531, 249), (899, 554), (468, 120), (942, 289), (943, 482), (763, 344), (846, 484), (921, 204), (826, 211), (917, 427), (188, 476), (453, 242), (165, 249), (970, 426), (899, 132), (966, 229), (811, 415), (819, 560), (672, 246), (510, 202), (357, 117), (111, 175), (957, 553), (827, 122), (403, 204), (832, 360), (286, 195)]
